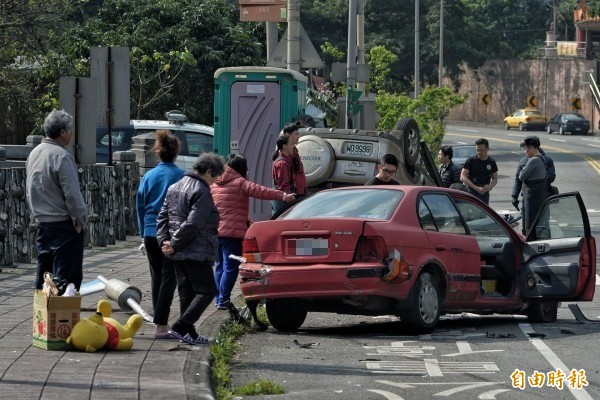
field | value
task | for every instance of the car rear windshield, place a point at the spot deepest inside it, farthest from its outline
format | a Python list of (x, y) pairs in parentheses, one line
[(532, 112), (370, 203)]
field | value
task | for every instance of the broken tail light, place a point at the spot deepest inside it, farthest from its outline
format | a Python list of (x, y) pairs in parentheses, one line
[(371, 249), (251, 252), (397, 268)]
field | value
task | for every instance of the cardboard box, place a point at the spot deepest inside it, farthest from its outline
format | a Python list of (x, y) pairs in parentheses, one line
[(53, 320)]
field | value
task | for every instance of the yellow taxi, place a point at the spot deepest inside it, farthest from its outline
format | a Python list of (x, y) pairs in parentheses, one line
[(525, 119)]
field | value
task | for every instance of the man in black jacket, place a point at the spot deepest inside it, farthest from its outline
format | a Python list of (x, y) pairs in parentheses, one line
[(449, 172), (187, 232)]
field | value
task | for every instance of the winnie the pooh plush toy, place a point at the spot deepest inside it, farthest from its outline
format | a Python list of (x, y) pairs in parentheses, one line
[(100, 331)]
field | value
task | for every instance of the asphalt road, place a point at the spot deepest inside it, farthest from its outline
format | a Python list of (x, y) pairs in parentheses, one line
[(467, 356)]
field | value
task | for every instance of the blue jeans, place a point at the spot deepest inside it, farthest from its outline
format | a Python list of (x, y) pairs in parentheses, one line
[(226, 269)]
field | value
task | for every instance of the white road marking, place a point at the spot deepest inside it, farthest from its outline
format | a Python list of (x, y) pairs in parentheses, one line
[(554, 360), (412, 385), (459, 389), (593, 145), (491, 395), (558, 140), (386, 394), (431, 367), (399, 349), (597, 280), (590, 140), (465, 348), (591, 210), (467, 130), (515, 135)]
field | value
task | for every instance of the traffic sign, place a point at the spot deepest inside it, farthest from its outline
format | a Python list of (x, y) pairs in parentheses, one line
[(485, 99), (356, 107), (532, 101), (576, 103), (353, 95)]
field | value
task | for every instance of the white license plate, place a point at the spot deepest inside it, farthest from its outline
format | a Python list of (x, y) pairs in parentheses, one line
[(308, 247), (358, 149), (577, 129)]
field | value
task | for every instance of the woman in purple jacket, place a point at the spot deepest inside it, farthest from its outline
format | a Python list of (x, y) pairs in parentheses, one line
[(231, 193)]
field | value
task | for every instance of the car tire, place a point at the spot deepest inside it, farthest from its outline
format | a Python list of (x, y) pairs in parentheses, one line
[(407, 131), (544, 312), (506, 126), (561, 131), (521, 127), (425, 306), (549, 130), (286, 315), (318, 159)]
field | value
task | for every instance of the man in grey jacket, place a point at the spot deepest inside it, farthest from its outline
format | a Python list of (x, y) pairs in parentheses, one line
[(187, 227), (56, 203)]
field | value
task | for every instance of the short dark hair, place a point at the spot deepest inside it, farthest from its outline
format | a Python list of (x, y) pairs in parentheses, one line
[(210, 161), (238, 163), (289, 129), (482, 141), (389, 159), (447, 151), (532, 141)]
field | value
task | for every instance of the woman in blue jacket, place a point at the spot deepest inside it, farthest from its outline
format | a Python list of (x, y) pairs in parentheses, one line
[(150, 197)]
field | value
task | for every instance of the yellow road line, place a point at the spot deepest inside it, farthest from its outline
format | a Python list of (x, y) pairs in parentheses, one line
[(593, 163)]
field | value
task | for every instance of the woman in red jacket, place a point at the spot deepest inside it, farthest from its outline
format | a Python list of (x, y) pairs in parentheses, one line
[(231, 193)]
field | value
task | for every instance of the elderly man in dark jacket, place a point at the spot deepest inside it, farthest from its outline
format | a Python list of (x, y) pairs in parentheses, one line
[(187, 232)]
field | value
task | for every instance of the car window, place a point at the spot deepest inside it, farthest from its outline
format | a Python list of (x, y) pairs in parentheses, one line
[(198, 142), (373, 203), (480, 223), (463, 152), (561, 218), (118, 138), (572, 116), (443, 212), (532, 112)]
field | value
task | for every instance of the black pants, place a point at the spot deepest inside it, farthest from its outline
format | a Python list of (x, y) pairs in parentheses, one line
[(163, 279), (60, 252), (197, 288)]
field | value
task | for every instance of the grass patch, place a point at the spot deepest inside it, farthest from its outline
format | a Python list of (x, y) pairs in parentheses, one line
[(259, 388), (222, 351)]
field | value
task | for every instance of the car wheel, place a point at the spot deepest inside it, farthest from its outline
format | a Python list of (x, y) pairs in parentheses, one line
[(521, 127), (506, 126), (410, 137), (549, 130), (561, 131), (286, 315), (545, 311), (425, 308)]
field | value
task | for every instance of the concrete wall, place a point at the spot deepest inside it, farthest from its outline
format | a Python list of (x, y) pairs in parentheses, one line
[(509, 83)]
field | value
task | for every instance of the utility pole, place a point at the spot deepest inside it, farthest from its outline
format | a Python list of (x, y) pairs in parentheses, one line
[(417, 84), (293, 37), (351, 62), (441, 63)]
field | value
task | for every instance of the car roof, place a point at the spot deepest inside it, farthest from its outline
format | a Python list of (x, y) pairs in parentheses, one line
[(157, 124)]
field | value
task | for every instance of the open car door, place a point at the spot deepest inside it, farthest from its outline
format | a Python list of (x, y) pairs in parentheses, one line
[(559, 256)]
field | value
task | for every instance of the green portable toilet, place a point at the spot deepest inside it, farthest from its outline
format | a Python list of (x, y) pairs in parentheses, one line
[(252, 105)]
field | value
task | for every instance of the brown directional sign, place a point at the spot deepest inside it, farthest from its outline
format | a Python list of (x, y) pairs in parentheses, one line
[(575, 103), (263, 13), (263, 10), (485, 99), (532, 101)]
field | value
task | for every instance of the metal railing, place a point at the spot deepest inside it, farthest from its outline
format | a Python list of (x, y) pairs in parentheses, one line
[(594, 88)]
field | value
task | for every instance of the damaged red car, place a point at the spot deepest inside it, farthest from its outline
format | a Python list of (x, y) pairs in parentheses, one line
[(417, 253)]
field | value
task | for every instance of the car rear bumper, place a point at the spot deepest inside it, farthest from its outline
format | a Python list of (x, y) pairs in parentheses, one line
[(534, 125), (260, 281)]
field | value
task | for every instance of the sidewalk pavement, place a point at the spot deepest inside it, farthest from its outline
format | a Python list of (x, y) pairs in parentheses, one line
[(153, 369)]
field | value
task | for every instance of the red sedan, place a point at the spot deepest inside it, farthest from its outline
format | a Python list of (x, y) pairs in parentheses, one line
[(416, 252)]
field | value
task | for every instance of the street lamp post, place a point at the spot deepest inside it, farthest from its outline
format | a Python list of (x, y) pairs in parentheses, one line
[(416, 48), (441, 62)]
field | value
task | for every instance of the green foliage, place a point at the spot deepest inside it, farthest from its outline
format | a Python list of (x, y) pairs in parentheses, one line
[(379, 59), (259, 388), (222, 352), (429, 109)]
